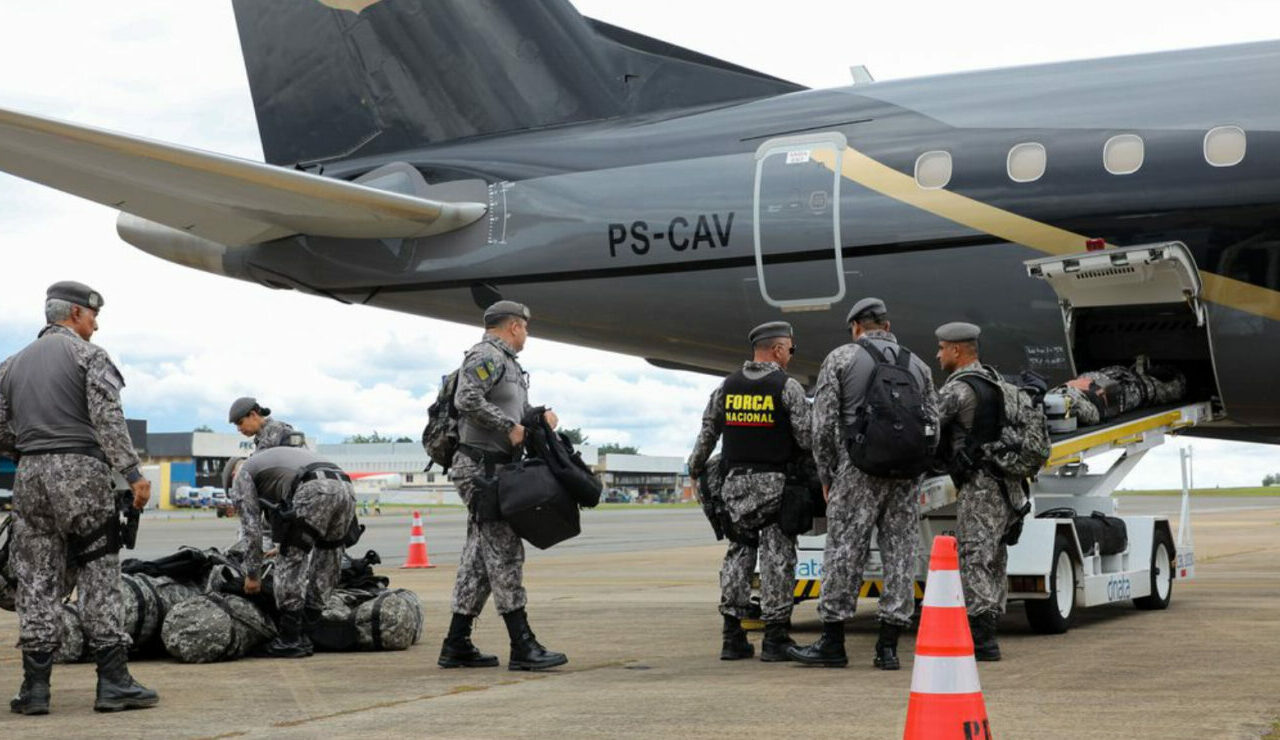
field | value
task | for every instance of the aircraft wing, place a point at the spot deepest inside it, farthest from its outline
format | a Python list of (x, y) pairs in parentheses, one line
[(221, 199)]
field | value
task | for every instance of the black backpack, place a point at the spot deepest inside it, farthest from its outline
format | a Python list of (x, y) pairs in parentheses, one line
[(892, 435), (440, 436)]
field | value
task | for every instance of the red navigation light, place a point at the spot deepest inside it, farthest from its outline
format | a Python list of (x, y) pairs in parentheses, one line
[(1095, 245)]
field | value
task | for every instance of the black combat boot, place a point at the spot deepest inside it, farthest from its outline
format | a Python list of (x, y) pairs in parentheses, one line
[(116, 688), (735, 645), (33, 697), (828, 651), (887, 647), (983, 627), (458, 651), (289, 641), (526, 653), (773, 649)]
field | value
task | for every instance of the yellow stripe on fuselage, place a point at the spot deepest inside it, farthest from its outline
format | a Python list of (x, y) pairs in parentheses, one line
[(863, 170)]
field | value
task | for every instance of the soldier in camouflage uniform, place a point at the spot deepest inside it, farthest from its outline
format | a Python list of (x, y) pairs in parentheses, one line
[(1107, 393), (492, 397), (311, 505), (858, 503), (764, 419), (60, 416), (252, 420), (985, 505)]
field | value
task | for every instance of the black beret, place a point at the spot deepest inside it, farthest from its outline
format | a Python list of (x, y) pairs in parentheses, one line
[(505, 308), (958, 331), (866, 308), (771, 330), (77, 293)]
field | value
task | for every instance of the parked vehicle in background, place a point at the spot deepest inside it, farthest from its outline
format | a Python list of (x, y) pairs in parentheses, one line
[(6, 499)]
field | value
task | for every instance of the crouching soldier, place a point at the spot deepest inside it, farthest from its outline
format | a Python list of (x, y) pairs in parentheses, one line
[(311, 507), (763, 418), (252, 420)]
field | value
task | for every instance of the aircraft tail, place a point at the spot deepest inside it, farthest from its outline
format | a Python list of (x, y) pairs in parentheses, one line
[(333, 79)]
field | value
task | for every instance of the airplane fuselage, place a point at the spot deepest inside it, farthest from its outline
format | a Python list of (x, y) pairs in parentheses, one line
[(639, 235)]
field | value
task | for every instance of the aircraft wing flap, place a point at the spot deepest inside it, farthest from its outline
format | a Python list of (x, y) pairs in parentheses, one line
[(222, 199)]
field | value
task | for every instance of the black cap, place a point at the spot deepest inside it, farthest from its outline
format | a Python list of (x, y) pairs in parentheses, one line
[(505, 308), (241, 407), (77, 293), (867, 308), (958, 331), (771, 330)]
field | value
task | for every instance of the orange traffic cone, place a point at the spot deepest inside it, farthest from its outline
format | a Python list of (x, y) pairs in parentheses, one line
[(418, 557), (946, 698)]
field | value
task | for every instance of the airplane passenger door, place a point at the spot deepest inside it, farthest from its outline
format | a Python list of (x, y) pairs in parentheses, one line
[(797, 221)]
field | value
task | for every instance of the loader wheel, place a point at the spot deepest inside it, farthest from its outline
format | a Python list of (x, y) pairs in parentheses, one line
[(1052, 616), (1161, 574)]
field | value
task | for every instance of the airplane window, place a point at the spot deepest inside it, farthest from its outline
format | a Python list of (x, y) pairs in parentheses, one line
[(1027, 162), (933, 170), (1123, 154), (1224, 146)]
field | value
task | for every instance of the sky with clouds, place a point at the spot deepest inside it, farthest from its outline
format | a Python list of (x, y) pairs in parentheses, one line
[(189, 342)]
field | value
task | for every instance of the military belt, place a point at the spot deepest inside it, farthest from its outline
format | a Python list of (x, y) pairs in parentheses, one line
[(485, 457), (319, 473), (95, 452), (757, 467)]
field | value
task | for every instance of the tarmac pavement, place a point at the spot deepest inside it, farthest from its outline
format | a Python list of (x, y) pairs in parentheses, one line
[(642, 633)]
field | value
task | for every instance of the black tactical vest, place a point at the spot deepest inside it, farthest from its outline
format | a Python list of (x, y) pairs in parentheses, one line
[(757, 427), (48, 403)]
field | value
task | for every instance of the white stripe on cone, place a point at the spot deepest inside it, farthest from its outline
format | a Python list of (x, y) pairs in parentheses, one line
[(417, 519), (417, 539), (951, 675), (943, 589)]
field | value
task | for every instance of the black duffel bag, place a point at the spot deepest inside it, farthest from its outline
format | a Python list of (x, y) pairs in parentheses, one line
[(565, 463), (1108, 533), (535, 503)]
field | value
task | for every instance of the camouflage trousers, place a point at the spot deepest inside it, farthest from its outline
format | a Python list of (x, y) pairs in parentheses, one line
[(777, 554), (757, 495), (858, 504), (982, 517), (306, 577), (492, 559), (56, 497)]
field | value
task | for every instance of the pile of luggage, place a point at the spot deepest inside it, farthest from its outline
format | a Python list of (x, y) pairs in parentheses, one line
[(191, 606)]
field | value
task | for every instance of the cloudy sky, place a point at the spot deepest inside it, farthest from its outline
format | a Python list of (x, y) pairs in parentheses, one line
[(189, 342)]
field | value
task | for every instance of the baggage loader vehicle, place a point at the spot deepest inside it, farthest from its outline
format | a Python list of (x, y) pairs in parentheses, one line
[(1078, 549)]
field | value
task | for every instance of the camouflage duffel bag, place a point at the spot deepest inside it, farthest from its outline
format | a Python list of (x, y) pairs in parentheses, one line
[(392, 620), (146, 601), (213, 627), (72, 648)]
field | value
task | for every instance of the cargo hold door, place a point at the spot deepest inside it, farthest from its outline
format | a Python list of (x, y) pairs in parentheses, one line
[(1121, 302)]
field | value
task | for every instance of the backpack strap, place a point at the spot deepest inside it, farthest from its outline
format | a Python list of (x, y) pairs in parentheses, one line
[(876, 353), (375, 625)]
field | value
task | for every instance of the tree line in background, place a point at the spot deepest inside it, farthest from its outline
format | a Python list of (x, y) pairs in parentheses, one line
[(1271, 480), (575, 436)]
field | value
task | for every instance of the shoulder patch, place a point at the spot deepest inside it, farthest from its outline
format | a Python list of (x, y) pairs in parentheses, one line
[(484, 370)]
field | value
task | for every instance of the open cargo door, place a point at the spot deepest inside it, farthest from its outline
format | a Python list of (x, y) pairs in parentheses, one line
[(1121, 302)]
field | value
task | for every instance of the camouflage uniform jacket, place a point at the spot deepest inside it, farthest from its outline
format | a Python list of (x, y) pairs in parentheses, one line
[(271, 434), (829, 403), (483, 367), (713, 415), (103, 382)]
